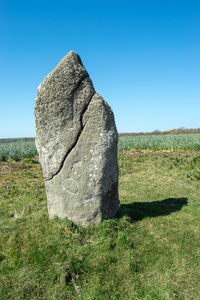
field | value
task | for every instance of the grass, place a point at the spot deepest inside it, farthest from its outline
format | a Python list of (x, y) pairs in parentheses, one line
[(173, 142), (150, 250)]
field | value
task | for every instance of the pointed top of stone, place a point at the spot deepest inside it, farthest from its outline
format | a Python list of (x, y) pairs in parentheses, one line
[(70, 66), (72, 53), (73, 57)]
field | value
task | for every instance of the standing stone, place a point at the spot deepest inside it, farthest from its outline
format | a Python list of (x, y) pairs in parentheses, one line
[(76, 138)]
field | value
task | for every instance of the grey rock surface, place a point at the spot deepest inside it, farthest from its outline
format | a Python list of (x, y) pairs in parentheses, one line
[(76, 138)]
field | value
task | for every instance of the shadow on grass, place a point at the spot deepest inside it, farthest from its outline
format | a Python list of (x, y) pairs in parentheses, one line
[(140, 210)]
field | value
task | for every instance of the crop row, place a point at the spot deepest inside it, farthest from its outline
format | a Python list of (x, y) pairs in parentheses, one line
[(170, 142)]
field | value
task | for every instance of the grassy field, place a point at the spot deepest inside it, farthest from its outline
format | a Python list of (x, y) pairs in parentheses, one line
[(173, 142), (150, 250)]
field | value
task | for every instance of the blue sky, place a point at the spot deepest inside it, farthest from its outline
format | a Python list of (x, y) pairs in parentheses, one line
[(142, 56)]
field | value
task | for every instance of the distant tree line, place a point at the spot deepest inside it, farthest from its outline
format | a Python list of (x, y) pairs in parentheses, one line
[(14, 140), (180, 130)]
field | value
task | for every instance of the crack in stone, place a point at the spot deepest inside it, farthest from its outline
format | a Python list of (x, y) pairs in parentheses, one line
[(79, 83), (78, 135)]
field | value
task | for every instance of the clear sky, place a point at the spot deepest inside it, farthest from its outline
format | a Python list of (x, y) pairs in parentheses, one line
[(143, 57)]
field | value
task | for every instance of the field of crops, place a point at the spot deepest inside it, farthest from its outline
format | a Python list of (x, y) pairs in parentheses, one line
[(17, 150), (191, 142), (161, 142)]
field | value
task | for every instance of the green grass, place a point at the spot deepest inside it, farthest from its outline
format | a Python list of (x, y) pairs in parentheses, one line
[(150, 250)]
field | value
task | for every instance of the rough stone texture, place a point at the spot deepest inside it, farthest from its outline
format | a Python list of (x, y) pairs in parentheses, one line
[(76, 138)]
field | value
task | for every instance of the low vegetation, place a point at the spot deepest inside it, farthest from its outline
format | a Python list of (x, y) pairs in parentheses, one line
[(150, 250), (17, 150), (161, 142), (26, 148)]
